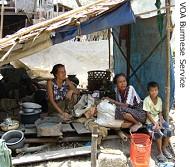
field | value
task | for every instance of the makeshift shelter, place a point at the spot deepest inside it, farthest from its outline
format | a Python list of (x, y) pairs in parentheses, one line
[(97, 16)]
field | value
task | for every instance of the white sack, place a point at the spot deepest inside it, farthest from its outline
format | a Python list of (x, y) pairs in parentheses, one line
[(106, 115)]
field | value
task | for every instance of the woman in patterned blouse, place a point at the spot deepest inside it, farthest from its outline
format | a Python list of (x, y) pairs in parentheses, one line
[(60, 92)]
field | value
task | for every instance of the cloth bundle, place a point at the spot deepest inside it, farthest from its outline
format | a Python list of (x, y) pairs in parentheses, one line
[(5, 155)]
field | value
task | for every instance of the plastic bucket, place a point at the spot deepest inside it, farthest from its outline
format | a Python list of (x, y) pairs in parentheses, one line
[(140, 149)]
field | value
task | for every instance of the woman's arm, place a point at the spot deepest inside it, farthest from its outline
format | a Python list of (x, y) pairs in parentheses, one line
[(50, 97), (116, 102)]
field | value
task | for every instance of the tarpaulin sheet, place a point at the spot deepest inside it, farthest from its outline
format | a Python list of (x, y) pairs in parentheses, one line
[(144, 37), (119, 16)]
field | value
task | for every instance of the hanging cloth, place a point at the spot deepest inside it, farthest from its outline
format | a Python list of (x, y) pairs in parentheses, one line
[(5, 155), (160, 18)]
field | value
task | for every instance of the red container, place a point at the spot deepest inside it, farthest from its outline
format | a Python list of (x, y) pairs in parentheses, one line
[(140, 149)]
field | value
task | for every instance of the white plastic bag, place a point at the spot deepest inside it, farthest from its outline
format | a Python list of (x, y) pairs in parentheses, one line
[(84, 104), (106, 115)]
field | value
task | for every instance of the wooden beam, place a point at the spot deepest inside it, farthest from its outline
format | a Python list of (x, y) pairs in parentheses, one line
[(94, 144), (167, 88), (78, 3), (31, 149), (2, 19), (51, 155), (156, 10), (64, 139)]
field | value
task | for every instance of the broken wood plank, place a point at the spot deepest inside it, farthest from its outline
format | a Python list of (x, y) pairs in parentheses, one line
[(41, 140), (51, 155), (30, 131), (31, 149), (80, 128), (67, 128), (122, 135)]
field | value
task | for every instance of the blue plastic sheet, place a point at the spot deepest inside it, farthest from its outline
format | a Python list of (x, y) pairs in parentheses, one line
[(144, 37), (119, 16)]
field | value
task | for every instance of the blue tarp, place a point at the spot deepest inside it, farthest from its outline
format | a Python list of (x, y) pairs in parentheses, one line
[(144, 37), (119, 16)]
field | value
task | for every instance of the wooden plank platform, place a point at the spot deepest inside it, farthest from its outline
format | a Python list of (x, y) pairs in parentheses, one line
[(80, 128), (67, 128)]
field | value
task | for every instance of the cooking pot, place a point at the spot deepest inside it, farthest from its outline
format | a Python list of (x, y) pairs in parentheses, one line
[(29, 107), (31, 117), (14, 139)]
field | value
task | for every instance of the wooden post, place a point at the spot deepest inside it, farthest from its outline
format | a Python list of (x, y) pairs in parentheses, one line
[(94, 144), (78, 3), (167, 88), (57, 9), (128, 49), (2, 19), (109, 47)]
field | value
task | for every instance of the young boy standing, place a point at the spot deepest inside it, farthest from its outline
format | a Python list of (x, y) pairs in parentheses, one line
[(155, 122)]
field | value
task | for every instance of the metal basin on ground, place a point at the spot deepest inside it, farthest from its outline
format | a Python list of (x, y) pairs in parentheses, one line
[(14, 139)]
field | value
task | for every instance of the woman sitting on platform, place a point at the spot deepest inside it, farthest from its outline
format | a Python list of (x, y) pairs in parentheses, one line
[(129, 104), (61, 92)]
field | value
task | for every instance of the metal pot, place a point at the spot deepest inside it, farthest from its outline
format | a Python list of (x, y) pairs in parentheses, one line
[(31, 105), (28, 110), (14, 139), (29, 118)]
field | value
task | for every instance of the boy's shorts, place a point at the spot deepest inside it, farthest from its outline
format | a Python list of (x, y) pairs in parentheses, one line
[(164, 132)]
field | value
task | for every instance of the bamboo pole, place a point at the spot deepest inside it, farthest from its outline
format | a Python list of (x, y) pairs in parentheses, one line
[(78, 3), (167, 88), (156, 10), (2, 19), (51, 21), (109, 47), (57, 9)]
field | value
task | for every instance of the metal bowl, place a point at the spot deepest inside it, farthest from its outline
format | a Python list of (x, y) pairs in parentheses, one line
[(14, 139), (30, 105)]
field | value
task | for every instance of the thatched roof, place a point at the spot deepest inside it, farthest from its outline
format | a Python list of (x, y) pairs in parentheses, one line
[(37, 36)]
